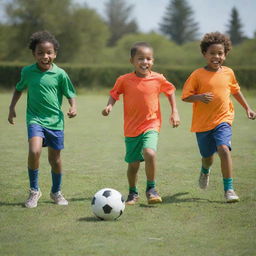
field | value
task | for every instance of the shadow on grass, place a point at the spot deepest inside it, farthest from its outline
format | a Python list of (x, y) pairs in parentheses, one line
[(90, 219), (147, 206), (44, 202), (80, 199), (11, 204), (176, 198)]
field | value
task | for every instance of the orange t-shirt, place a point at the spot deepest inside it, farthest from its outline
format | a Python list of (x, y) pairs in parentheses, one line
[(223, 83), (141, 101)]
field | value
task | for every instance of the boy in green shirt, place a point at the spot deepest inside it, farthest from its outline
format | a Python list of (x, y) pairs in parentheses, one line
[(46, 84)]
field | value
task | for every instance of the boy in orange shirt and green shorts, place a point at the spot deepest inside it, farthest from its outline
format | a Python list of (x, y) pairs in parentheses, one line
[(142, 117), (209, 90)]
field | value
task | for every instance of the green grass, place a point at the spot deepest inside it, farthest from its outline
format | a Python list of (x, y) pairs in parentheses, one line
[(190, 222)]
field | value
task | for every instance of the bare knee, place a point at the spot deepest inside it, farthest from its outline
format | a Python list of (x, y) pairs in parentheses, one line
[(34, 154), (149, 154), (223, 151)]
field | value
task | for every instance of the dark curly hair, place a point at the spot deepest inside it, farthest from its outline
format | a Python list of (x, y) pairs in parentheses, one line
[(215, 38), (41, 37), (137, 45)]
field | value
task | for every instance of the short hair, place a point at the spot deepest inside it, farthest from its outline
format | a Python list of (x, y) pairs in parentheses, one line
[(41, 37), (215, 38), (137, 45)]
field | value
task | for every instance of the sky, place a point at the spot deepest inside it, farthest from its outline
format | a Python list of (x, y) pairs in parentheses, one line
[(211, 15)]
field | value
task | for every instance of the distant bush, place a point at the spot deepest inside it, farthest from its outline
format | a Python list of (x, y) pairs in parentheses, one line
[(105, 76)]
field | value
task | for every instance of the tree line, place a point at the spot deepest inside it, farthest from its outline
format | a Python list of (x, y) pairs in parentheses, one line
[(88, 38)]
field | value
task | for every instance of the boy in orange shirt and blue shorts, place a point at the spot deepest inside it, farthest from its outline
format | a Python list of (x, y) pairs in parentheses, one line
[(209, 90), (142, 117)]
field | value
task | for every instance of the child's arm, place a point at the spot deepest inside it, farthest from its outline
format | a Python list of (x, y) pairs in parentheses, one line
[(12, 113), (108, 108), (72, 112), (204, 97), (174, 118), (241, 99)]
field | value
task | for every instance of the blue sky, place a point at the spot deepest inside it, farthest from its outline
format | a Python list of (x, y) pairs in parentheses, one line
[(212, 15)]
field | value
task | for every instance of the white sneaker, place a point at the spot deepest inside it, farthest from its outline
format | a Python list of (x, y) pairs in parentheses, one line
[(231, 196), (204, 180), (33, 198), (58, 198)]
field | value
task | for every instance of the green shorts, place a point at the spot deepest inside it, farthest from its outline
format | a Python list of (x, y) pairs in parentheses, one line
[(135, 145)]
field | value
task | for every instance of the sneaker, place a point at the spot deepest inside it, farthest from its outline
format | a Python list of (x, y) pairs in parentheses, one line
[(153, 197), (203, 180), (132, 199), (231, 196), (33, 198), (58, 198)]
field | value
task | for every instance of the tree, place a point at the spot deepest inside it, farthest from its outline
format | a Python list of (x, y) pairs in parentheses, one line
[(235, 28), (178, 23), (118, 20), (81, 31)]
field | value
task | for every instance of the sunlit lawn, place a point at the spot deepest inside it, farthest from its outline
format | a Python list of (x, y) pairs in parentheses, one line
[(189, 222)]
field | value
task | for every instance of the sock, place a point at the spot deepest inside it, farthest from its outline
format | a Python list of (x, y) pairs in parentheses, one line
[(150, 184), (204, 170), (133, 190), (56, 182), (228, 183), (33, 178)]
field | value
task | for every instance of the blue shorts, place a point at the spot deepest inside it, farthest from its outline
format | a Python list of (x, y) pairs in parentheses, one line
[(209, 141), (51, 138)]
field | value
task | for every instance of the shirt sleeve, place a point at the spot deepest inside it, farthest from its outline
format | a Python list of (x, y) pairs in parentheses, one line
[(67, 86), (117, 89), (190, 87), (21, 85), (234, 86), (166, 87)]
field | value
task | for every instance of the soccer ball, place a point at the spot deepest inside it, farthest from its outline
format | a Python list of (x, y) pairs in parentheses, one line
[(108, 204)]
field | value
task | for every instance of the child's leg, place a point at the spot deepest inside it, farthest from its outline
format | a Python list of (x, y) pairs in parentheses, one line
[(226, 161), (207, 163), (226, 166), (35, 148), (227, 173), (150, 166), (132, 176), (56, 168)]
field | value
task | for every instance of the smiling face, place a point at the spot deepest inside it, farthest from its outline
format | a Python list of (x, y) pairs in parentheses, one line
[(44, 54), (143, 61), (215, 56)]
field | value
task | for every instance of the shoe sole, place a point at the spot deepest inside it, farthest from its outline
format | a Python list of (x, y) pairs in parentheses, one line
[(131, 203), (154, 200), (232, 200), (57, 202), (36, 203)]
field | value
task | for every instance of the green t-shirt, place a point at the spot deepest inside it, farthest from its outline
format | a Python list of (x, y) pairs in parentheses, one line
[(45, 93)]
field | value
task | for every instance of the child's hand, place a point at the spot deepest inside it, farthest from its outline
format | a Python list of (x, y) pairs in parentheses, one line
[(251, 114), (205, 97), (175, 119), (12, 114), (72, 112), (106, 110)]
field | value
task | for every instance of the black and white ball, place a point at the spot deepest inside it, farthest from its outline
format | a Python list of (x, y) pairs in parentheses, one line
[(108, 204)]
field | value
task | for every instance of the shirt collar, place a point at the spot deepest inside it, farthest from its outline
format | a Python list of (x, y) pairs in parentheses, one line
[(52, 70)]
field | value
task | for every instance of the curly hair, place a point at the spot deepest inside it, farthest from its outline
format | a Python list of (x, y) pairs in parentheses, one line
[(215, 38), (137, 45), (41, 37)]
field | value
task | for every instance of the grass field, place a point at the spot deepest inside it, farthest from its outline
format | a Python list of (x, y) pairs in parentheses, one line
[(189, 222)]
